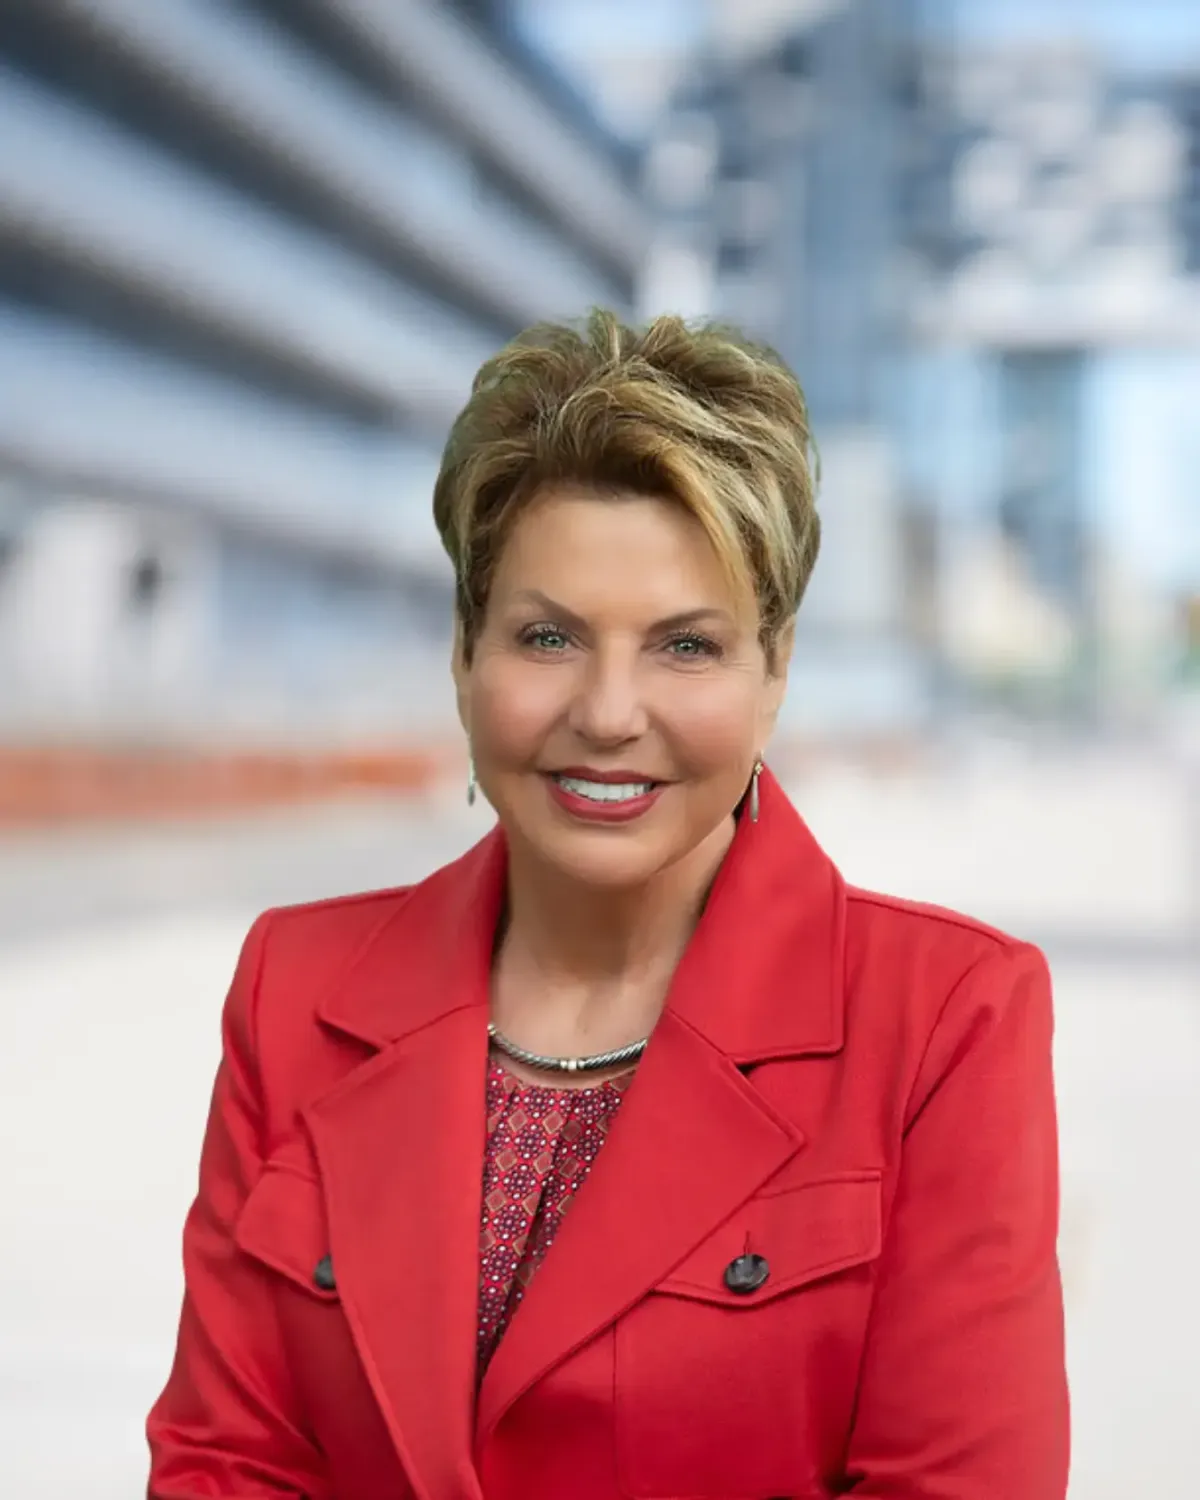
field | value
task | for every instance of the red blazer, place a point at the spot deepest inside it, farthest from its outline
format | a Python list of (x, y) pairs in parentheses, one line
[(855, 1088)]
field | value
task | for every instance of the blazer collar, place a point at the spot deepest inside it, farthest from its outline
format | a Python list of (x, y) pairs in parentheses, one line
[(430, 956), (762, 977)]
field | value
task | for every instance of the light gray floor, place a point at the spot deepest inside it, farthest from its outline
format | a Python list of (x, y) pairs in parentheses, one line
[(116, 949)]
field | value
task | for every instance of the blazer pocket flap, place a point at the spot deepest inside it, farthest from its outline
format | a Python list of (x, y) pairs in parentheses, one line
[(804, 1233), (282, 1224)]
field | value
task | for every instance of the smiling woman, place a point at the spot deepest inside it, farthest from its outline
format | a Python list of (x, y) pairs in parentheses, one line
[(631, 687), (634, 1153), (632, 523)]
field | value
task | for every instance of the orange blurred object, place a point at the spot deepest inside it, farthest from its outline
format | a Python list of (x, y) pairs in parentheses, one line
[(52, 784)]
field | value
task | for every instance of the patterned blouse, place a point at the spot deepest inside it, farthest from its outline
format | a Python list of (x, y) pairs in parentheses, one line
[(541, 1144)]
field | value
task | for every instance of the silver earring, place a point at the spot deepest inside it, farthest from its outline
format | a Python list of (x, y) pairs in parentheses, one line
[(472, 784), (754, 775)]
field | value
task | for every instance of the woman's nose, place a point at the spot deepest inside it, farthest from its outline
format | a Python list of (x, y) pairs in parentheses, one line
[(608, 707)]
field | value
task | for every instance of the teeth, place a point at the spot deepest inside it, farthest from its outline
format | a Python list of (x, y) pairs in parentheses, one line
[(605, 791)]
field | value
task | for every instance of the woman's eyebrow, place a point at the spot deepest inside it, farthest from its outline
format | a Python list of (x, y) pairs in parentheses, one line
[(577, 622)]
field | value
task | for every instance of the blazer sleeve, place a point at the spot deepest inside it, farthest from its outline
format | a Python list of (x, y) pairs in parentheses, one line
[(227, 1423), (963, 1388)]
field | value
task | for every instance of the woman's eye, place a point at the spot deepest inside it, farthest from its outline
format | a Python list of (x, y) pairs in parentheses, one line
[(693, 647), (545, 638)]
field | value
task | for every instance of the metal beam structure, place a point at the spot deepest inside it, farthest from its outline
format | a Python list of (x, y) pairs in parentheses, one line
[(73, 185), (410, 187), (440, 59)]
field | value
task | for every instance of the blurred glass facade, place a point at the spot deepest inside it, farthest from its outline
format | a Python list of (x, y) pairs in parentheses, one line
[(250, 257)]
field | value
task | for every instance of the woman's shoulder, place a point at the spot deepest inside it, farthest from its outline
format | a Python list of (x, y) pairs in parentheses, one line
[(924, 923), (299, 962), (312, 939), (327, 912), (928, 952), (292, 958)]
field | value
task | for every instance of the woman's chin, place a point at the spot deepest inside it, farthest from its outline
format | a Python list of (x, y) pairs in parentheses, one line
[(606, 859)]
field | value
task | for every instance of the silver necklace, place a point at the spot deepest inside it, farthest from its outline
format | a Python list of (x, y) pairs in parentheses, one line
[(591, 1064)]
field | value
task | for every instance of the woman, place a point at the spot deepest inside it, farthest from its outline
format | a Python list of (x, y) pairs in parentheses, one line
[(633, 1153)]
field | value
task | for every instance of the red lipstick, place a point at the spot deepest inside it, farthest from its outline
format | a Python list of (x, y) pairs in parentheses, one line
[(592, 809)]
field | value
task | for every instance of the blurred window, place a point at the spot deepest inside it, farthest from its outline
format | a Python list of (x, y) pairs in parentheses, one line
[(147, 579), (735, 256)]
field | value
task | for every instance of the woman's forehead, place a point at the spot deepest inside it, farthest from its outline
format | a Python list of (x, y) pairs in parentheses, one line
[(619, 569), (596, 535)]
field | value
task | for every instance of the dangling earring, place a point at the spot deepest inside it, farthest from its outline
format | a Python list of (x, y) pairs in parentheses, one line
[(754, 775), (472, 784)]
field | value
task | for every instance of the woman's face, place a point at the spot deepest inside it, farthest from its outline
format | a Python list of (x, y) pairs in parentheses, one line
[(617, 695)]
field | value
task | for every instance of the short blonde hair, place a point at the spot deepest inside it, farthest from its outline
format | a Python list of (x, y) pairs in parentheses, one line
[(699, 415)]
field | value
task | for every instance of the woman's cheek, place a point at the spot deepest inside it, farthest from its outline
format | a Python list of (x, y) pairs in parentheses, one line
[(513, 711), (715, 728)]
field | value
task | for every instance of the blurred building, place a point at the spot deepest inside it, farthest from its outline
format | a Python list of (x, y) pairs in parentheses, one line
[(1064, 249), (251, 253), (778, 176), (964, 243)]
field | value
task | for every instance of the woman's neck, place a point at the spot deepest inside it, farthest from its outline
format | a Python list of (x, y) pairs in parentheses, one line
[(569, 937)]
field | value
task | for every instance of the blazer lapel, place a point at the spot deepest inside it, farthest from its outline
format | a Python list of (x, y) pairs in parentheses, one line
[(694, 1138), (692, 1141), (399, 1145)]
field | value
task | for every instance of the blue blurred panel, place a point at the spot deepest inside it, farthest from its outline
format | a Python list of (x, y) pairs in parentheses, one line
[(414, 184), (77, 409), (101, 196), (444, 62)]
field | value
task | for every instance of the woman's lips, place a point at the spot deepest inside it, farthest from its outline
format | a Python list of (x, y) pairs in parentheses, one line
[(609, 810)]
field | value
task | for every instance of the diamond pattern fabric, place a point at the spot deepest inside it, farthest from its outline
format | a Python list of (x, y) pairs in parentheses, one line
[(542, 1142)]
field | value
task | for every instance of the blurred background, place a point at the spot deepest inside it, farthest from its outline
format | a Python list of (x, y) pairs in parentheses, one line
[(251, 253)]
